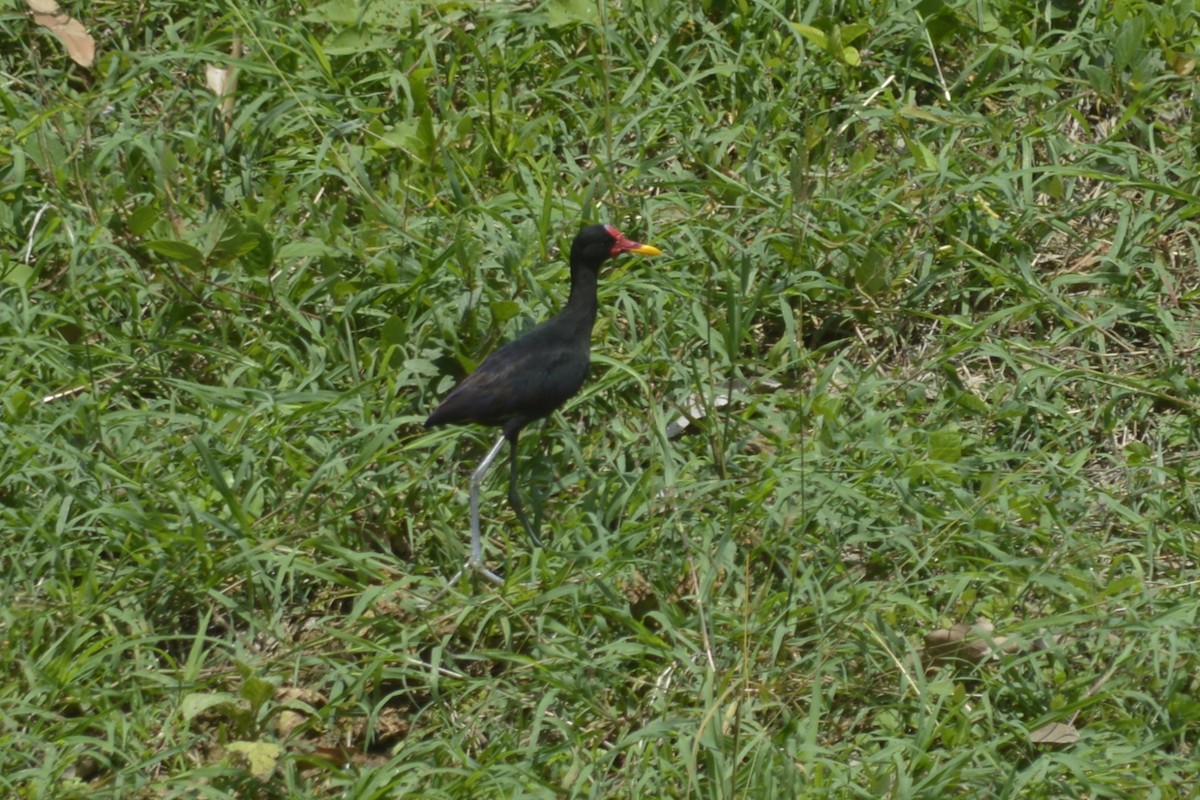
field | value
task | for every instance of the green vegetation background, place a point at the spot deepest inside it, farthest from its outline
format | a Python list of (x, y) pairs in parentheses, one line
[(931, 293)]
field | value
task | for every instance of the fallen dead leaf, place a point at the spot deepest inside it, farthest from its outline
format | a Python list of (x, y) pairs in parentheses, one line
[(297, 704), (390, 727), (1056, 733), (961, 642), (641, 596), (81, 47), (216, 78)]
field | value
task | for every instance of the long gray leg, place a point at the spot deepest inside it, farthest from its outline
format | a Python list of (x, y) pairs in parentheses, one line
[(475, 559), (514, 499)]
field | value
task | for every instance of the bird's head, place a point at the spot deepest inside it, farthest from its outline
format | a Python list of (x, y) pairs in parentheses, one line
[(597, 243)]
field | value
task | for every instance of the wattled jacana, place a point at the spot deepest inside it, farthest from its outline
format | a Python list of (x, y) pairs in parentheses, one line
[(531, 376)]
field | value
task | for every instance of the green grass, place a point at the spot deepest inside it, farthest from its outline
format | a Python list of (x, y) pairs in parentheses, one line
[(941, 258)]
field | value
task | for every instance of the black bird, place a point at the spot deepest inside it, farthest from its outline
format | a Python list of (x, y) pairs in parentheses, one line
[(528, 378)]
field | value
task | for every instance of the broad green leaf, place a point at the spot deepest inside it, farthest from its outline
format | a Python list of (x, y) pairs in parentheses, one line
[(354, 41), (567, 12), (196, 703), (924, 157), (18, 404), (1128, 46), (504, 310), (302, 248), (945, 446), (180, 252), (393, 332), (1138, 453), (418, 84), (814, 35), (849, 33), (143, 218), (235, 242), (259, 257), (425, 135), (335, 12), (16, 273)]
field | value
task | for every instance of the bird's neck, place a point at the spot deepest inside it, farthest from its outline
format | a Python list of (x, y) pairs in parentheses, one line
[(581, 302)]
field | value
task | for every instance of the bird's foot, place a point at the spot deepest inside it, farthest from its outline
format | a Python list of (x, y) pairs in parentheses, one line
[(477, 568)]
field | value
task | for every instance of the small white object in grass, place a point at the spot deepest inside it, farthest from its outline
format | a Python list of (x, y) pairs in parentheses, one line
[(216, 78), (696, 409)]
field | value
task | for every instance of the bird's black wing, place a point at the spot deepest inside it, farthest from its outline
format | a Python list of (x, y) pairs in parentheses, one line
[(523, 380)]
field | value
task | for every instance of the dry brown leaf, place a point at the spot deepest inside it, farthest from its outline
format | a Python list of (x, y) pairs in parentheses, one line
[(217, 79), (297, 702), (641, 596), (389, 727), (962, 642), (81, 47), (336, 755), (1059, 733)]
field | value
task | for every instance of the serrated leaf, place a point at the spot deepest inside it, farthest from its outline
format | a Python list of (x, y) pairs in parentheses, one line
[(260, 757), (16, 172), (1127, 48), (422, 367), (504, 310), (257, 691), (391, 14)]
